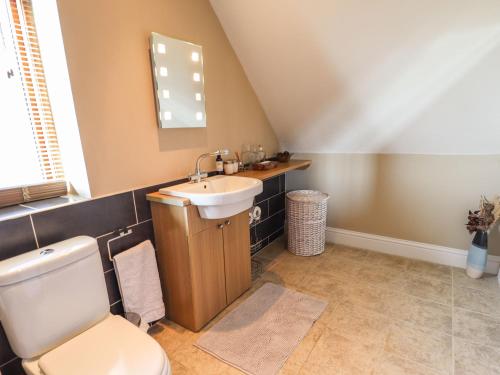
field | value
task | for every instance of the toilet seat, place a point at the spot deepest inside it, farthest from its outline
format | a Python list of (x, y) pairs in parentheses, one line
[(111, 347)]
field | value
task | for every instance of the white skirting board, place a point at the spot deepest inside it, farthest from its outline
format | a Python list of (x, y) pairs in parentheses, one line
[(409, 249)]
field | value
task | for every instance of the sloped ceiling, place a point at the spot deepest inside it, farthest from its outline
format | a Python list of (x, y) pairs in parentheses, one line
[(385, 76)]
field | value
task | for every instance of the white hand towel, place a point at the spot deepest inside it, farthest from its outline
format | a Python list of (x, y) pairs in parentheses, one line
[(139, 282)]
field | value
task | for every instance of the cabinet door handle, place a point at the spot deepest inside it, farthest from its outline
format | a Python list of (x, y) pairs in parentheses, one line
[(220, 226), (227, 222)]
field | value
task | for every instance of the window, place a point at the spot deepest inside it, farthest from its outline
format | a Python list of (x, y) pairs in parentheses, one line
[(30, 160)]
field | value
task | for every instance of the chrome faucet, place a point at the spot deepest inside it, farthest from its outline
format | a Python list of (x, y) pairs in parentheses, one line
[(198, 174)]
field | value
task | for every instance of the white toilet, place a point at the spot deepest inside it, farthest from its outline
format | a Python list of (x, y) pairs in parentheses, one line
[(55, 311)]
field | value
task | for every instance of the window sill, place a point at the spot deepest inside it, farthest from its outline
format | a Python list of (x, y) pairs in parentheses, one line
[(13, 212)]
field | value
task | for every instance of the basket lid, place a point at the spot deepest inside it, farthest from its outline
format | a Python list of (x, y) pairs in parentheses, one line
[(307, 196)]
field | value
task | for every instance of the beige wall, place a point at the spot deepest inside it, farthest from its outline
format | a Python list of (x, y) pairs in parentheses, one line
[(421, 198), (106, 44)]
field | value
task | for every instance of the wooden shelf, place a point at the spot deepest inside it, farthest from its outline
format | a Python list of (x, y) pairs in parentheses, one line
[(168, 199), (280, 169)]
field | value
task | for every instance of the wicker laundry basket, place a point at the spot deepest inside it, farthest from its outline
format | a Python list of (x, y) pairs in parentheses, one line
[(306, 212)]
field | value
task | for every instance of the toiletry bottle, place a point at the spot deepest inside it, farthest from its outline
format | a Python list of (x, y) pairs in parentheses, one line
[(219, 164), (261, 154)]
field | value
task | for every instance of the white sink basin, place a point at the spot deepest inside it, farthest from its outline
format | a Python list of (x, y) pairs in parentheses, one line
[(218, 196)]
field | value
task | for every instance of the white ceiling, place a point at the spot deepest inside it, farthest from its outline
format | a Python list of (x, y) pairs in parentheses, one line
[(387, 76)]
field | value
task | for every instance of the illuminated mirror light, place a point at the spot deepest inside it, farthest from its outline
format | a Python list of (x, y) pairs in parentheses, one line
[(197, 96), (195, 56), (161, 48), (168, 116), (199, 116), (196, 77), (163, 71), (166, 94)]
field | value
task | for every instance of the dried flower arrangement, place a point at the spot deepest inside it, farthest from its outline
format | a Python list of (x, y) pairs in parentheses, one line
[(484, 218)]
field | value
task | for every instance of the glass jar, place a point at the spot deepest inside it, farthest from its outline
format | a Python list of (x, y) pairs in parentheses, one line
[(228, 167)]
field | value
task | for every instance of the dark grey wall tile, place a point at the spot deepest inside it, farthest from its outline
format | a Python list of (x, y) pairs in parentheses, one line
[(276, 203), (270, 225), (6, 353), (277, 234), (117, 309), (13, 368), (271, 187), (112, 285), (92, 218), (141, 232), (142, 204), (16, 237), (259, 246), (282, 182), (253, 235)]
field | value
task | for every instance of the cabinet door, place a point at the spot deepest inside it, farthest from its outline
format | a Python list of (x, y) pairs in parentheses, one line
[(207, 273), (237, 256)]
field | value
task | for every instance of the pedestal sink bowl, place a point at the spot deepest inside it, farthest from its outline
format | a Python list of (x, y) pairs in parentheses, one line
[(218, 196)]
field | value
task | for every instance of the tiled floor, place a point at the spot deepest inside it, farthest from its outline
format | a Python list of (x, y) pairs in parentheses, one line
[(386, 315)]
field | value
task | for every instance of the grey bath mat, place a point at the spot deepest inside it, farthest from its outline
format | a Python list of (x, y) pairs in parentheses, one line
[(259, 335)]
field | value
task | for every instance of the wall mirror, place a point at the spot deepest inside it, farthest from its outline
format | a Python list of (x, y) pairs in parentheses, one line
[(178, 81)]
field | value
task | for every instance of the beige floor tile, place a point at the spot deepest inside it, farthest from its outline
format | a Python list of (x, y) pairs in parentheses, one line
[(178, 369), (291, 269), (376, 299), (390, 364), (472, 359), (476, 327), (349, 253), (299, 356), (300, 265), (199, 362), (477, 300), (358, 324), (381, 259), (291, 368), (328, 312), (257, 269), (429, 314), (171, 335), (403, 306), (263, 262), (428, 288), (424, 313), (334, 354), (273, 251), (338, 268), (426, 269), (324, 287), (486, 283), (284, 276), (380, 276), (430, 348), (312, 262), (385, 315)]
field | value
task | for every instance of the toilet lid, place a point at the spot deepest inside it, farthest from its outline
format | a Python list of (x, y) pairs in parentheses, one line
[(111, 347)]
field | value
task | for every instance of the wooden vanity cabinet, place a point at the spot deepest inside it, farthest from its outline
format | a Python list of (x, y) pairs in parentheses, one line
[(204, 264)]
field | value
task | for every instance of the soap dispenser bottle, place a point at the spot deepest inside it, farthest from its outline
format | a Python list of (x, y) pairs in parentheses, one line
[(219, 164)]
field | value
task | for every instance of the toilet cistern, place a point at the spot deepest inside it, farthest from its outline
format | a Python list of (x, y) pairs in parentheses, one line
[(198, 175)]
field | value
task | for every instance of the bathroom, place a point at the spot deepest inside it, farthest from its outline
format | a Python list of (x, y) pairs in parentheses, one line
[(388, 112)]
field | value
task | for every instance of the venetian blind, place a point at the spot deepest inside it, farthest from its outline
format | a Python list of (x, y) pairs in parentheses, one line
[(37, 103)]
